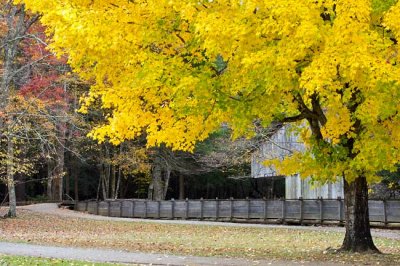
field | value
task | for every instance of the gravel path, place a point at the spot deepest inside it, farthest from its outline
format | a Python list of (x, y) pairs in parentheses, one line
[(51, 208)]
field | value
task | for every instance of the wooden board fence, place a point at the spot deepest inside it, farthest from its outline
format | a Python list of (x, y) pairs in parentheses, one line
[(300, 211)]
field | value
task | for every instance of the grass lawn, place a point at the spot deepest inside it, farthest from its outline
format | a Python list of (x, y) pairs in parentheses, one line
[(32, 261), (197, 240)]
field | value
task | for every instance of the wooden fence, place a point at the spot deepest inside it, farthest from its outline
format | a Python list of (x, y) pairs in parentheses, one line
[(257, 210)]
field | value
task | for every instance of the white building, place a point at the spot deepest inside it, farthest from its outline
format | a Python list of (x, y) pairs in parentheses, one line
[(282, 144)]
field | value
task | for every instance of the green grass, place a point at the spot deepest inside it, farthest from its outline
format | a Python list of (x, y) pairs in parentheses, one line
[(33, 261)]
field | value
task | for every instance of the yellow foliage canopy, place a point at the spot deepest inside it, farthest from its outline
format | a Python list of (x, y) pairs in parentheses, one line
[(178, 69)]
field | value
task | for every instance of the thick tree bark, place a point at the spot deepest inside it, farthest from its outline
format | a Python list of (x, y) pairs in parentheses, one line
[(158, 191), (358, 234)]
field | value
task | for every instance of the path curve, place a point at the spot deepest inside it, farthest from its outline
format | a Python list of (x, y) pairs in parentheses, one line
[(115, 256)]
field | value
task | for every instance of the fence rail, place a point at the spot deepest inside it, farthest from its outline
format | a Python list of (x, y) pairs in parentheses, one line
[(301, 211)]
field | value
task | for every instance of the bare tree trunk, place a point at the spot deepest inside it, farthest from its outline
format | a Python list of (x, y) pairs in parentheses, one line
[(75, 176), (102, 180), (107, 173), (358, 234), (167, 177), (99, 167), (67, 185), (59, 176), (118, 183), (181, 187), (50, 171), (12, 211), (150, 192), (59, 168), (112, 181)]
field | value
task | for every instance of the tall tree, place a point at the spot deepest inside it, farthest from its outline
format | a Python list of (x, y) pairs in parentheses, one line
[(33, 99), (15, 24), (178, 69)]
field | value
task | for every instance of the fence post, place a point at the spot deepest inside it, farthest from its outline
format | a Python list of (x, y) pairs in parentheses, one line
[(97, 207), (187, 208), (283, 210), (216, 208), (301, 209), (145, 209), (109, 208), (133, 208), (120, 208), (265, 209), (158, 209), (201, 209), (231, 209), (86, 205), (385, 212), (340, 210), (173, 208), (321, 212)]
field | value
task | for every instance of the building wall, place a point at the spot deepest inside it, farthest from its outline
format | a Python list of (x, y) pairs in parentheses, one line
[(295, 187), (282, 144)]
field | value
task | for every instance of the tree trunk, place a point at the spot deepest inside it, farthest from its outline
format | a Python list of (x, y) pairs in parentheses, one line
[(150, 191), (20, 187), (119, 176), (116, 194), (158, 192), (12, 211), (358, 234), (76, 184), (58, 180), (102, 181), (67, 185), (113, 181), (181, 187), (59, 168), (50, 171), (99, 167), (107, 172), (167, 176)]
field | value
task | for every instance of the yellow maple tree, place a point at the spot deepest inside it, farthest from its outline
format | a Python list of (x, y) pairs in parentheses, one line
[(178, 69)]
